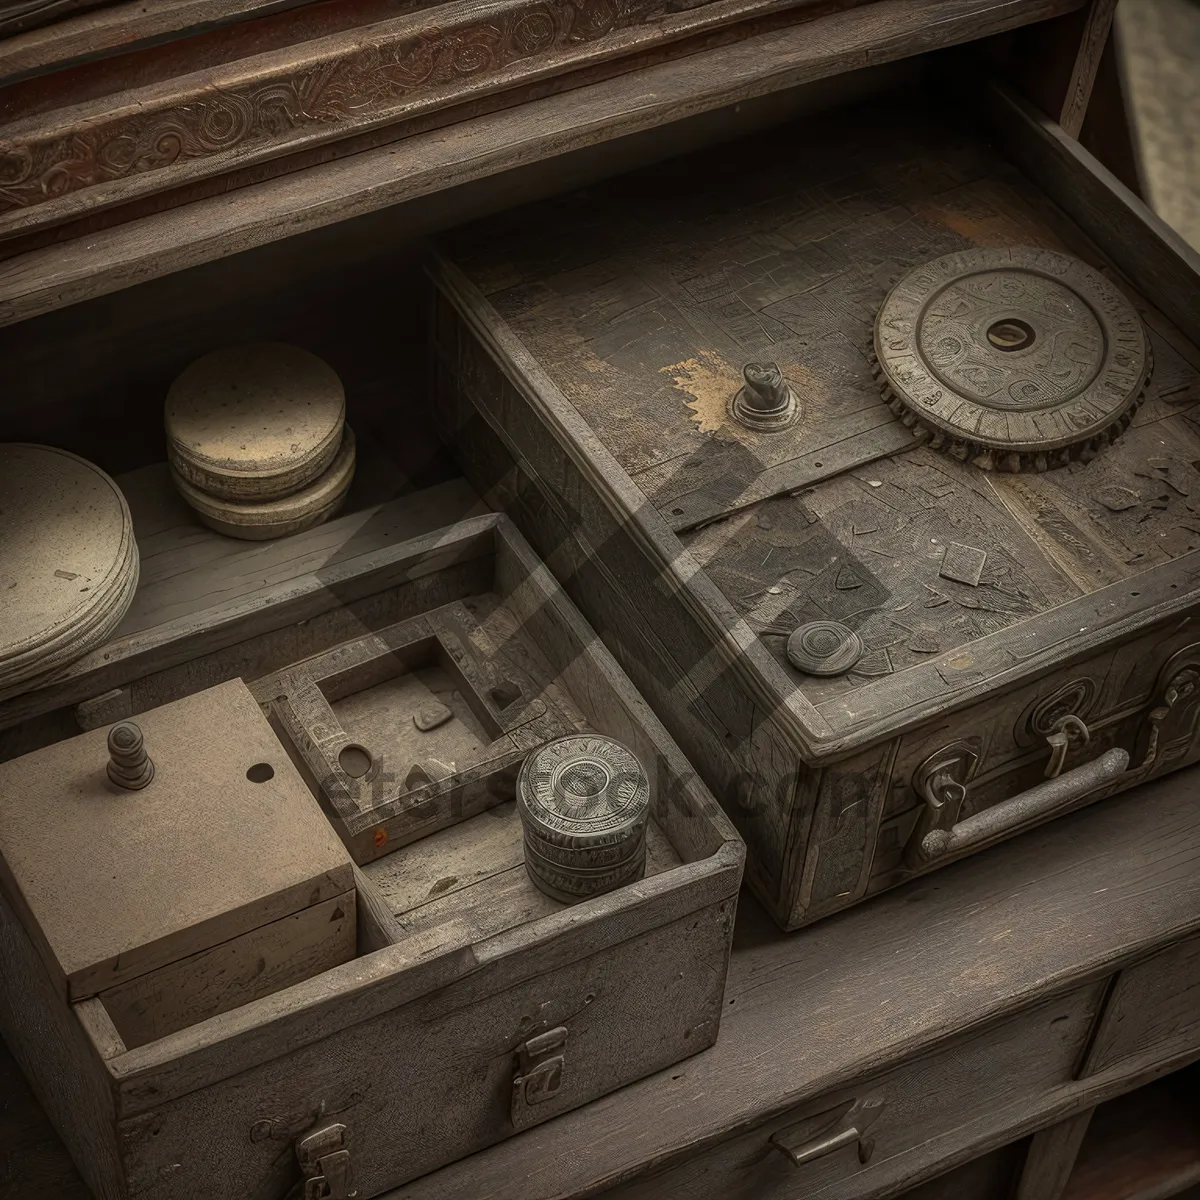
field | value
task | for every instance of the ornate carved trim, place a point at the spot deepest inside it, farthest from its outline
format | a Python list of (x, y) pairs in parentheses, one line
[(60, 165)]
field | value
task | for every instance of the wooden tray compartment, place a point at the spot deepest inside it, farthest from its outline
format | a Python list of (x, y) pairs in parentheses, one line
[(476, 1006), (582, 374), (353, 718)]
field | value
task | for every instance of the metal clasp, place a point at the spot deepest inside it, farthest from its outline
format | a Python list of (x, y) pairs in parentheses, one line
[(1067, 729), (541, 1061), (325, 1163), (941, 782)]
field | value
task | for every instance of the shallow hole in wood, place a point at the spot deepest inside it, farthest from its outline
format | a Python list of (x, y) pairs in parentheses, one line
[(355, 760), (260, 773)]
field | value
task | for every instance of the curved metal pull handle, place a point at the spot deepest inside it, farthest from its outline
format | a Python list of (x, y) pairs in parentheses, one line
[(1036, 803), (846, 1126)]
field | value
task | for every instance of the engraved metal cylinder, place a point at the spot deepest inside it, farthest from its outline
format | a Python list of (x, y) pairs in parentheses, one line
[(584, 802), (129, 766)]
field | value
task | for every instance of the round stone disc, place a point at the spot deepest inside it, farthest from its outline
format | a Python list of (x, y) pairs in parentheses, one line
[(254, 422), (824, 648), (68, 559), (277, 518), (1018, 359), (583, 792)]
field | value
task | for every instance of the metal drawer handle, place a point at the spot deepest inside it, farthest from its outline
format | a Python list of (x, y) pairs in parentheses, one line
[(846, 1126), (1039, 801)]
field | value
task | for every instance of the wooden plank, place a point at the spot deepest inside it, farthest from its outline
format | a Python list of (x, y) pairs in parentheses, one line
[(927, 1112), (276, 102), (1108, 130), (156, 245), (1154, 1009), (1051, 1158), (1142, 1146), (262, 961), (1158, 261), (200, 591), (880, 983), (121, 27)]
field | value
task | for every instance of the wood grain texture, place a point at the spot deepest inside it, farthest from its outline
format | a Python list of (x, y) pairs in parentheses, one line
[(226, 875), (260, 962), (1154, 1009), (884, 31), (1068, 902), (935, 1110), (165, 134), (1151, 254), (1142, 1146), (200, 591), (599, 354), (53, 1050), (1051, 1158)]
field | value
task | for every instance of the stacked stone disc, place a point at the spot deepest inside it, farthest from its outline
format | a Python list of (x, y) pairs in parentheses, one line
[(68, 562), (584, 801), (257, 441)]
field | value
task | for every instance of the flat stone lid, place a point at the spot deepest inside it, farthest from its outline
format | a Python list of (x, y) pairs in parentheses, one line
[(66, 551), (256, 421), (115, 883)]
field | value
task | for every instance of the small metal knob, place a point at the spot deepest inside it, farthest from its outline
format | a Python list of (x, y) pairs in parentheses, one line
[(129, 765), (766, 402)]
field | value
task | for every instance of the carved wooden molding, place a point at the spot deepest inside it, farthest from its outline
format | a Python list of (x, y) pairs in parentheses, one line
[(60, 165)]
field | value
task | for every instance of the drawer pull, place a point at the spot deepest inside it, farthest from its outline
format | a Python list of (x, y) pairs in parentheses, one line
[(844, 1127), (1032, 805)]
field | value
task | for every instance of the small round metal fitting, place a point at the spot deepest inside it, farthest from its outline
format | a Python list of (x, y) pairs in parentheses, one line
[(584, 802), (824, 648), (766, 401)]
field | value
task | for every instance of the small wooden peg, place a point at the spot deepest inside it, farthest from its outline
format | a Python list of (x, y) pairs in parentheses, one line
[(129, 765)]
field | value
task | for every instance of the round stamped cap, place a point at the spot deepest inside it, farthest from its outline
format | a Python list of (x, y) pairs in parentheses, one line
[(266, 519), (585, 793), (254, 422), (68, 559), (1016, 358), (824, 648)]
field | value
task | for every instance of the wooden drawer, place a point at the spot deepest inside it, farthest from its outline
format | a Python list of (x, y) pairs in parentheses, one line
[(1152, 1013), (588, 375), (470, 1005), (872, 1139)]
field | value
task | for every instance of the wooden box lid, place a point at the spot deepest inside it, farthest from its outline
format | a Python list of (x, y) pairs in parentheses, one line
[(113, 883)]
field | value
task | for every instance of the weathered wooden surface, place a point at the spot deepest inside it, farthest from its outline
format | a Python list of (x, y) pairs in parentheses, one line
[(887, 30), (1051, 1158), (605, 357), (810, 1013), (93, 865), (1142, 1146), (108, 134), (1147, 250), (200, 592), (844, 999), (1155, 1006)]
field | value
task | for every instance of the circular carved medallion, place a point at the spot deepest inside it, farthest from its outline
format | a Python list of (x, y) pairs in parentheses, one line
[(824, 648), (582, 792), (1018, 359)]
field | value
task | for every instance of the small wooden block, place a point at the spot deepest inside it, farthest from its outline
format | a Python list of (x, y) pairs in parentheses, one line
[(114, 884)]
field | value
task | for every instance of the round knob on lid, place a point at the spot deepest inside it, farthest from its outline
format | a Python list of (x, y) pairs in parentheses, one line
[(129, 765)]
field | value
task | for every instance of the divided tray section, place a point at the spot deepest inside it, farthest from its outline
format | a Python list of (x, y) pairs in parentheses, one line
[(420, 725)]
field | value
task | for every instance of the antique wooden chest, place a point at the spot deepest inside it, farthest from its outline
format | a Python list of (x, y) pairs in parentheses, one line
[(239, 1021), (876, 469)]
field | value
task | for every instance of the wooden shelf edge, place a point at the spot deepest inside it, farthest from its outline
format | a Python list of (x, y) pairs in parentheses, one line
[(57, 276)]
